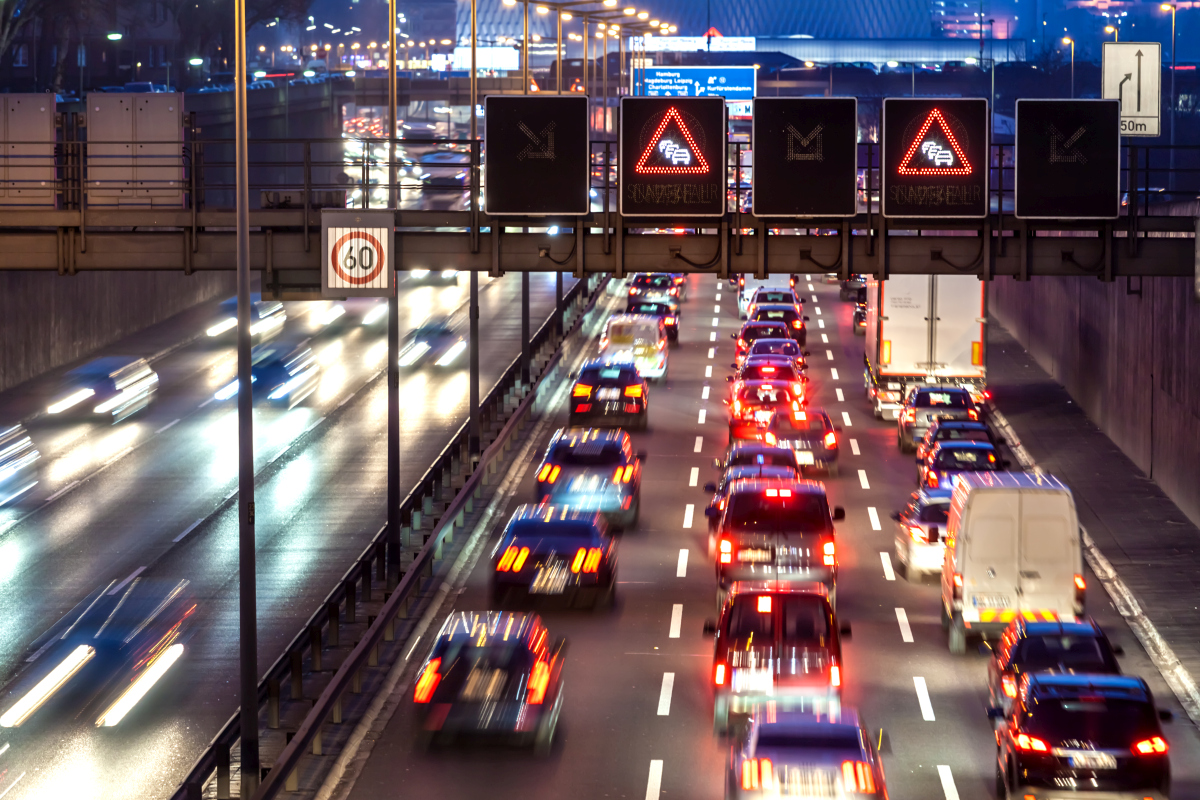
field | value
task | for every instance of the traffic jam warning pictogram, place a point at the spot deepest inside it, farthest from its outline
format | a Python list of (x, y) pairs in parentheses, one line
[(535, 151), (672, 156), (358, 253), (1068, 159), (805, 157), (935, 157)]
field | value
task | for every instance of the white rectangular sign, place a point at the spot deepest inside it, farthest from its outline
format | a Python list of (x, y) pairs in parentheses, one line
[(357, 249), (1132, 73)]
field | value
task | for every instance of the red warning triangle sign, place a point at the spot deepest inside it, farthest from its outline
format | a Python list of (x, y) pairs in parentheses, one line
[(935, 150), (672, 155)]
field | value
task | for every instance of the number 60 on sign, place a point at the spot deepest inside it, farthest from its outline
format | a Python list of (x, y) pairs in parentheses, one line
[(357, 253)]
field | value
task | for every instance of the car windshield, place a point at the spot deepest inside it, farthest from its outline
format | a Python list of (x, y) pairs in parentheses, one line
[(771, 458), (1079, 653), (962, 435), (1103, 721), (962, 458), (752, 332), (935, 512), (800, 421), (839, 737), (632, 332), (594, 375), (927, 399), (797, 511), (593, 453), (783, 347), (768, 372), (763, 394)]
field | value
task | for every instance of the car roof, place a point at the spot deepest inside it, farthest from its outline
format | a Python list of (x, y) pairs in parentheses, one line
[(484, 626), (771, 339), (626, 367), (105, 366), (931, 496), (797, 485), (747, 445), (757, 382), (779, 587), (549, 514), (798, 722), (769, 358), (960, 424), (575, 436), (961, 444), (1011, 480), (1065, 684), (775, 306), (646, 318), (1079, 627), (742, 471), (957, 389), (762, 323)]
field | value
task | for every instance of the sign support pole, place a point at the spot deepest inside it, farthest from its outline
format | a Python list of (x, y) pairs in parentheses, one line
[(526, 369), (473, 438), (247, 600), (393, 349)]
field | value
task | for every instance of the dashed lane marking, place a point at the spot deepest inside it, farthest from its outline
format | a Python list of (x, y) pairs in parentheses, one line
[(688, 512), (116, 589), (681, 569), (712, 351), (694, 478), (654, 783), (846, 419), (704, 393), (874, 515), (905, 630), (814, 298), (699, 444), (833, 372), (717, 308), (948, 787), (854, 447), (168, 426), (841, 397), (712, 337), (824, 338), (821, 323), (664, 696), (923, 699), (862, 479), (716, 321), (812, 288), (888, 572), (708, 371), (189, 529), (61, 492), (829, 355), (676, 621), (703, 413), (718, 297)]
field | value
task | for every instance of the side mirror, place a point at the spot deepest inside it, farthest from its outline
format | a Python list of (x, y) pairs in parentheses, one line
[(883, 743), (844, 629), (896, 515), (710, 487), (712, 511), (710, 627), (733, 366), (1166, 715), (806, 319), (733, 336), (806, 353), (572, 374), (1118, 650), (839, 513), (995, 712)]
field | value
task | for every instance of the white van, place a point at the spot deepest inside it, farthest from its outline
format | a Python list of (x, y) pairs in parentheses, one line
[(1012, 547), (639, 339), (748, 283)]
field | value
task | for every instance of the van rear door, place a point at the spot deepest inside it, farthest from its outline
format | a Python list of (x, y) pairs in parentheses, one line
[(989, 563), (1049, 552)]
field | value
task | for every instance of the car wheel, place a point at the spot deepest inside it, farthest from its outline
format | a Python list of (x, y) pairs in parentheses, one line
[(958, 638)]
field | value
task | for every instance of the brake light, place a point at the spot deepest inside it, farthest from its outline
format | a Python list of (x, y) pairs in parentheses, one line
[(768, 369), (726, 550), (719, 675), (931, 478), (506, 561), (973, 414), (1080, 583), (577, 563), (632, 290), (764, 604), (909, 414), (741, 281), (1152, 746), (539, 681), (797, 324), (552, 476), (1009, 684), (628, 473), (671, 320), (633, 391), (741, 342), (779, 492), (1029, 743), (591, 564), (581, 390), (987, 395), (428, 681), (830, 440), (798, 389), (830, 552), (835, 675), (958, 586), (858, 777), (757, 773), (916, 533)]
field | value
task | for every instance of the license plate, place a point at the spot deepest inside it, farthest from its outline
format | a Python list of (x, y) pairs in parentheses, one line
[(989, 600), (895, 413), (608, 394), (754, 555), (802, 782), (1090, 760), (752, 680), (805, 458), (762, 416), (550, 580)]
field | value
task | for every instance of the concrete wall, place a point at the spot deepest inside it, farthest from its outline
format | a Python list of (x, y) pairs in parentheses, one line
[(50, 320), (1129, 361)]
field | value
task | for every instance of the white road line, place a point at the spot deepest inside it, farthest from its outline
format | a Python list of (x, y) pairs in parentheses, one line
[(829, 355), (122, 584), (716, 321), (712, 351), (717, 308), (708, 371), (718, 297), (664, 696), (688, 512), (888, 572), (61, 492), (818, 310), (231, 493), (923, 699), (948, 787), (821, 323), (699, 444), (812, 288), (694, 478), (833, 372), (814, 296), (206, 402), (712, 337), (703, 413), (13, 784), (704, 393), (676, 620), (118, 456), (862, 479), (168, 426), (874, 515), (905, 630), (854, 447), (681, 570), (841, 397), (846, 419), (824, 338), (654, 783), (190, 528), (808, 278)]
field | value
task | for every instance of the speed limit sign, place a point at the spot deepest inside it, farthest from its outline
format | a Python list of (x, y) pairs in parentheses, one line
[(357, 253)]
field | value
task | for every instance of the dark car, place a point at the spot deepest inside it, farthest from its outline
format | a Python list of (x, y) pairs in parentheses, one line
[(770, 368), (785, 347), (755, 403), (927, 403), (282, 371), (720, 490), (670, 316), (750, 454), (947, 459), (610, 391), (493, 674), (1043, 645), (436, 340), (769, 295), (648, 286), (942, 430), (112, 388), (811, 434), (787, 314), (266, 320), (777, 642), (554, 551), (849, 288), (592, 469), (444, 170), (819, 752), (752, 331), (776, 529), (1097, 734)]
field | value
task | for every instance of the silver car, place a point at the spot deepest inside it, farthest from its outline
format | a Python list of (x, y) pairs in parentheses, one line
[(920, 533)]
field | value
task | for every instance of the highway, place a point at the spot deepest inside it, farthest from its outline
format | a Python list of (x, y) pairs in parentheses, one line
[(152, 498), (637, 719)]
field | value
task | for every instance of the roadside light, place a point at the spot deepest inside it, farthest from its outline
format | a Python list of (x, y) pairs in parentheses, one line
[(629, 12), (643, 15), (115, 37), (1066, 40), (196, 62), (262, 48)]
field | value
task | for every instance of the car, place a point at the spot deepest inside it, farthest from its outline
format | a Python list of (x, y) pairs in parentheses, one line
[(554, 551), (818, 752), (437, 340), (610, 391), (859, 319), (444, 170), (920, 533), (788, 314), (112, 388), (811, 434), (266, 320), (754, 404), (831, 277), (949, 458), (770, 368), (849, 288), (592, 469), (760, 621), (669, 314), (749, 285), (924, 404), (433, 277), (1099, 735), (18, 463), (755, 453), (752, 331), (284, 372), (772, 295), (653, 286), (784, 347), (773, 529), (1047, 645), (636, 339), (492, 674), (720, 489), (956, 430), (680, 279)]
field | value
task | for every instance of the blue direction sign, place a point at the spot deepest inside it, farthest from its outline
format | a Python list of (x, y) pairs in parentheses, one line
[(732, 83)]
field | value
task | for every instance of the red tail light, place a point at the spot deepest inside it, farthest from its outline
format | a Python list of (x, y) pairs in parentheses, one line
[(972, 413), (577, 562), (1080, 583), (632, 290), (835, 675), (506, 561), (627, 474), (909, 415), (830, 554), (958, 586), (428, 681), (674, 291), (797, 324), (857, 777), (757, 773), (719, 675), (931, 479), (1008, 683), (830, 440), (671, 320), (1152, 746), (741, 343), (539, 681), (1032, 744), (917, 534), (581, 390), (591, 564), (633, 391), (726, 551), (552, 475)]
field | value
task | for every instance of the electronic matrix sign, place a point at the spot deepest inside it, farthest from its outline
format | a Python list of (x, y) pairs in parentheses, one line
[(535, 151), (805, 157), (935, 157), (672, 156), (1068, 159)]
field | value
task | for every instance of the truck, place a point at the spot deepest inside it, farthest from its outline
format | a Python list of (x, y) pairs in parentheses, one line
[(924, 330)]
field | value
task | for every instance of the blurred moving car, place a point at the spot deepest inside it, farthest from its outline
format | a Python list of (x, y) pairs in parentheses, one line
[(752, 332), (772, 296), (435, 340), (920, 534), (283, 371), (434, 277), (610, 391), (811, 434), (748, 287), (636, 339), (266, 320), (655, 287), (784, 346), (554, 551), (849, 288), (18, 464), (859, 319), (668, 313), (777, 642), (787, 314), (593, 469), (755, 403), (770, 368), (112, 388), (927, 403), (941, 429), (948, 459), (444, 170), (494, 674), (720, 490)]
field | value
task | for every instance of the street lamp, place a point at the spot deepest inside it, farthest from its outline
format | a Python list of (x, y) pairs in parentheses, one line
[(1114, 30), (1172, 8), (115, 37), (1070, 41)]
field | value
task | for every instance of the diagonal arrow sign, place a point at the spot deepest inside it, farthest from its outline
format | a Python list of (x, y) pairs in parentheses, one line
[(1059, 147), (540, 145)]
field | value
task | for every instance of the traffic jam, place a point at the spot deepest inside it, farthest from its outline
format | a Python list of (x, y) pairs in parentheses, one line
[(779, 449)]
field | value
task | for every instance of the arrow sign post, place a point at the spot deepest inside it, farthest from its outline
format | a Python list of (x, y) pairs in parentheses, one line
[(536, 155), (805, 157), (1068, 159), (1140, 64)]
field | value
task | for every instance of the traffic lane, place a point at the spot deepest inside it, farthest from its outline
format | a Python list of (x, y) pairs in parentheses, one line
[(611, 729)]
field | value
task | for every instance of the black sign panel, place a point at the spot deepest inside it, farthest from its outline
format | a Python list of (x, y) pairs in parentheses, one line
[(673, 156), (1068, 159), (536, 154), (935, 157), (805, 156)]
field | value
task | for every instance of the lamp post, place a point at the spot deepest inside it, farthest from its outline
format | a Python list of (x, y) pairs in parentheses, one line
[(1070, 41), (1171, 165), (1114, 30)]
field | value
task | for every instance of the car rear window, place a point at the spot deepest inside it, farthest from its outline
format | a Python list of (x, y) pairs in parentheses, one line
[(588, 454), (802, 421), (782, 347), (597, 374), (961, 458), (649, 308), (931, 399), (935, 512), (805, 620), (752, 332), (775, 297), (755, 510), (962, 435), (764, 394), (630, 332), (1078, 653), (772, 458), (746, 621), (772, 314), (1106, 722), (566, 528), (837, 738), (768, 372)]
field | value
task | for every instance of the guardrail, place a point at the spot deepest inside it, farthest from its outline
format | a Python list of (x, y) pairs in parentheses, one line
[(506, 405)]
